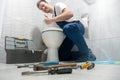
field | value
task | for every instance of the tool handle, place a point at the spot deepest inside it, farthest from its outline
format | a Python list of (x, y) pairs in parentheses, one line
[(49, 63), (63, 65)]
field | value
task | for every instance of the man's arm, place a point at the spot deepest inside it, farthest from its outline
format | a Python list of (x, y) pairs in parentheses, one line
[(66, 14)]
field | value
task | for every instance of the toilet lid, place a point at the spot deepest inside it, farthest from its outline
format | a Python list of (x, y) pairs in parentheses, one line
[(51, 29)]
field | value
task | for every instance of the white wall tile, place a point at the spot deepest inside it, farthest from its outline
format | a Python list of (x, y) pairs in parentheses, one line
[(22, 18)]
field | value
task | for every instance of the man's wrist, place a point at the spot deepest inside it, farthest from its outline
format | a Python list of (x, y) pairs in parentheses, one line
[(53, 19)]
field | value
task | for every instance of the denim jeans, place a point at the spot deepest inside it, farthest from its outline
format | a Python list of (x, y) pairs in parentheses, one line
[(74, 36)]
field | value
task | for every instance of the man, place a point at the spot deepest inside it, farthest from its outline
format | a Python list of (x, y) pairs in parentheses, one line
[(73, 29)]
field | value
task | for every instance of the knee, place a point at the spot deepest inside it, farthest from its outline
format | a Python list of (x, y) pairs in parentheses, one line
[(70, 28)]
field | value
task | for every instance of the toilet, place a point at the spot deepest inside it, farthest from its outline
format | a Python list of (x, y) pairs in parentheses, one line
[(52, 37)]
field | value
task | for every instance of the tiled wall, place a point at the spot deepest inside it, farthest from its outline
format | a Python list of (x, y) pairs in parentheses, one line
[(22, 18), (104, 26)]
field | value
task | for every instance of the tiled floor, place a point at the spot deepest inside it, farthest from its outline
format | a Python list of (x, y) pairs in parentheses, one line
[(100, 72)]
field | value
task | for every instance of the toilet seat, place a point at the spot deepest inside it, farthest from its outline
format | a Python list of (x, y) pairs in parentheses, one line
[(51, 29)]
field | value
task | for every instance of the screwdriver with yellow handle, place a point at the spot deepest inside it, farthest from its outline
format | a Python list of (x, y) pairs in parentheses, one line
[(89, 65), (86, 65)]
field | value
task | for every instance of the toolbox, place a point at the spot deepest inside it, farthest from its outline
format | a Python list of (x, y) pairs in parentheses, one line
[(21, 51)]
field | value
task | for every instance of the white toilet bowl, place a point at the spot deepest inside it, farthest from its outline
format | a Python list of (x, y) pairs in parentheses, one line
[(52, 37)]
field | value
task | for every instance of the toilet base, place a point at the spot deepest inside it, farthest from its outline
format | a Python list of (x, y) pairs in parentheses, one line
[(52, 54)]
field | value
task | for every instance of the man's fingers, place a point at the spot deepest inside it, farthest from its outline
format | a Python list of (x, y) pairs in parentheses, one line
[(46, 16)]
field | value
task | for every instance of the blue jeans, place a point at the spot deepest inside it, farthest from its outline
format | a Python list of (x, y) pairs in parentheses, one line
[(74, 36)]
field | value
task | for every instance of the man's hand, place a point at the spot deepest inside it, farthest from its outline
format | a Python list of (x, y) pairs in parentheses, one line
[(48, 20)]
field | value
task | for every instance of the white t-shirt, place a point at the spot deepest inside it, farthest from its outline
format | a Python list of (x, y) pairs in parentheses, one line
[(58, 8)]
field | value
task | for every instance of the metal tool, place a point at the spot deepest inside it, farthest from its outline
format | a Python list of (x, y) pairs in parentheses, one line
[(63, 68), (41, 63), (87, 65), (43, 67), (25, 65), (51, 71)]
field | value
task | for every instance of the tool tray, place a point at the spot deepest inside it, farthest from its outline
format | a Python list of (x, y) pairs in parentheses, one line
[(21, 51)]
